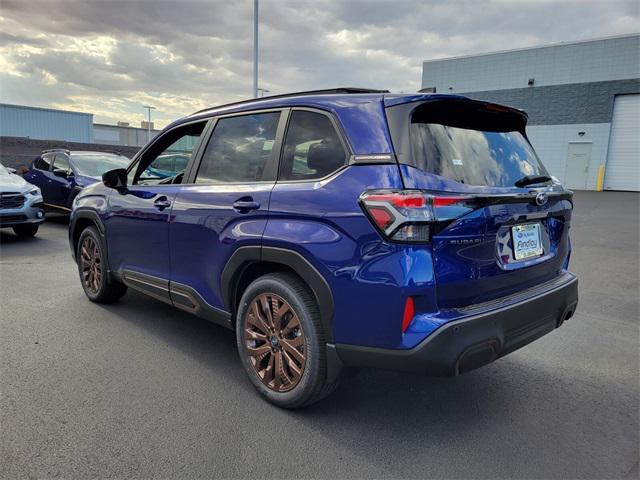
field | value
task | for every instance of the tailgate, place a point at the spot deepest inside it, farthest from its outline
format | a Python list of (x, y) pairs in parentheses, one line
[(476, 257)]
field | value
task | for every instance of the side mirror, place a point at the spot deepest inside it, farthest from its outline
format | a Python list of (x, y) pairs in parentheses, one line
[(61, 173), (116, 178)]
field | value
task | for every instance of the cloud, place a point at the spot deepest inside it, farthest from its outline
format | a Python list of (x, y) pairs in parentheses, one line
[(109, 57)]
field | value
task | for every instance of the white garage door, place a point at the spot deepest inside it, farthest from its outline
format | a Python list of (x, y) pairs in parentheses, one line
[(623, 159)]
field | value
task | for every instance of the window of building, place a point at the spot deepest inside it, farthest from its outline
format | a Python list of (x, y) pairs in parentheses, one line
[(312, 147), (239, 149)]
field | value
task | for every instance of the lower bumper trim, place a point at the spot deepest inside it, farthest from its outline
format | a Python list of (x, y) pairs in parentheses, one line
[(463, 345)]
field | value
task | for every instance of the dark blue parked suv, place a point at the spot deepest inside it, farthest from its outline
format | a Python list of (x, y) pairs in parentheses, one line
[(61, 173), (341, 228)]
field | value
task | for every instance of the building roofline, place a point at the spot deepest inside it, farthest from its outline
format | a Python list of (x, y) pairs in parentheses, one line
[(534, 47), (130, 127), (48, 109)]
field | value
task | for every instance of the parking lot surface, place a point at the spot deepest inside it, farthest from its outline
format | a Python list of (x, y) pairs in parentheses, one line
[(139, 389)]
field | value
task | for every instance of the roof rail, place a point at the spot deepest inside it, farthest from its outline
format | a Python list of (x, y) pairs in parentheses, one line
[(63, 150), (327, 91)]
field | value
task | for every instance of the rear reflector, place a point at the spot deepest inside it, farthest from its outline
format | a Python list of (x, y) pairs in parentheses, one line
[(381, 216), (409, 311)]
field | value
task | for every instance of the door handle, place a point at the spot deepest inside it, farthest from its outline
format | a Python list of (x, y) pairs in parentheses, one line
[(245, 206), (161, 203)]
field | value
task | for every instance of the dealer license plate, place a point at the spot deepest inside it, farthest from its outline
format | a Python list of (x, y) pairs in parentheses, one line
[(526, 241)]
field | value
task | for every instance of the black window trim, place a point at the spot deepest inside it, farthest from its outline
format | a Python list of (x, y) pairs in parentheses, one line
[(271, 168), (348, 151), (273, 165)]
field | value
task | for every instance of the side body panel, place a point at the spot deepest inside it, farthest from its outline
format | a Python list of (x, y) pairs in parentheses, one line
[(137, 226), (369, 278), (206, 229)]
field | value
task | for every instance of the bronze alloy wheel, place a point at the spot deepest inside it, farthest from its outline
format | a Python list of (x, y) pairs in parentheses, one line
[(90, 264), (274, 342)]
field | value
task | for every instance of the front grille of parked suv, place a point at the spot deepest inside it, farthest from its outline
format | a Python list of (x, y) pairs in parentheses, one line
[(11, 200)]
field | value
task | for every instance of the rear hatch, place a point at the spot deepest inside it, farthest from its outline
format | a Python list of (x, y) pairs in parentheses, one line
[(501, 224)]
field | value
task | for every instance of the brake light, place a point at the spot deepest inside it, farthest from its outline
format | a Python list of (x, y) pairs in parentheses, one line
[(446, 201), (411, 215)]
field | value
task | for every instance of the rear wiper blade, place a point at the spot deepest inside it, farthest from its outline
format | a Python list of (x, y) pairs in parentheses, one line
[(532, 179)]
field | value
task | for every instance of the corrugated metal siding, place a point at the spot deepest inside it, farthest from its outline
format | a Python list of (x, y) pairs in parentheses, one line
[(601, 60), (116, 135), (45, 124)]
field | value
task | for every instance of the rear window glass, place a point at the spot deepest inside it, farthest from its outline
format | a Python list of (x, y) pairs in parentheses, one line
[(497, 159)]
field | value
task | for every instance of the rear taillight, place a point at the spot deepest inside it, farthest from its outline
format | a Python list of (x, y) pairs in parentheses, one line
[(411, 215)]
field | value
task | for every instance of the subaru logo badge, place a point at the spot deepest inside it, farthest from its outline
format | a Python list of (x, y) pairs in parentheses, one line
[(541, 199)]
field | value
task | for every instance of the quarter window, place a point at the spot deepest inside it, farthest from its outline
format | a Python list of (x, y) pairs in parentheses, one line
[(312, 148), (239, 149)]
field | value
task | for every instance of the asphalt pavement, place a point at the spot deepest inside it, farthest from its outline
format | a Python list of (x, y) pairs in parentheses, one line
[(139, 389)]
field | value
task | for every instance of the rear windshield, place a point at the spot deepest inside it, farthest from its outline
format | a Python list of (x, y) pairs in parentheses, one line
[(473, 157)]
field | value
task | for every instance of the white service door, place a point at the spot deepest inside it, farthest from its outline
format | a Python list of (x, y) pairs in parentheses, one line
[(576, 174), (623, 159)]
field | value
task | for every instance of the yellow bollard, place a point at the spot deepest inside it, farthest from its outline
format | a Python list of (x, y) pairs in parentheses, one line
[(600, 182)]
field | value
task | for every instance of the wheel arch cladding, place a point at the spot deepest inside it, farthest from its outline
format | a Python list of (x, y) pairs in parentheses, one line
[(254, 259), (81, 220)]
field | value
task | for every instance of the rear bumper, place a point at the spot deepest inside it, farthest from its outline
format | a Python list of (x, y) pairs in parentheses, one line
[(476, 340)]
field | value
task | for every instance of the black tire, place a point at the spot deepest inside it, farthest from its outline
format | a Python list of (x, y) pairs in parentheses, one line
[(312, 385), (26, 230), (107, 289)]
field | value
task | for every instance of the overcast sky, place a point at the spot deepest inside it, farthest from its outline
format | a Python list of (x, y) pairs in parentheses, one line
[(111, 57)]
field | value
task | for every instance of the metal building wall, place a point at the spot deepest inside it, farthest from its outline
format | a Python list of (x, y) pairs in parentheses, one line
[(570, 102), (45, 123), (614, 58), (116, 135)]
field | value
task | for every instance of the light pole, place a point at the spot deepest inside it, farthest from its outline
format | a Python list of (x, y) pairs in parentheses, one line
[(149, 108), (255, 48)]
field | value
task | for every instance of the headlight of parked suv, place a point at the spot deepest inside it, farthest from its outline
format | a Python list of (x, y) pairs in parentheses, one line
[(35, 191)]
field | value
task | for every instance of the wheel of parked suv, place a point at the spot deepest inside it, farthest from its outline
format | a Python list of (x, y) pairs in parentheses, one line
[(97, 282), (281, 341), (26, 230)]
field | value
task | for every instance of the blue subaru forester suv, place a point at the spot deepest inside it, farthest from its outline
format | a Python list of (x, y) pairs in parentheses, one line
[(339, 228)]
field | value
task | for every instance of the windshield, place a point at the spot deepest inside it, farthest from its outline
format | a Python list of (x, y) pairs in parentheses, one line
[(95, 165), (474, 157)]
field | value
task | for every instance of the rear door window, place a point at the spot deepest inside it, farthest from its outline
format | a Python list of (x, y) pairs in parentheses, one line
[(239, 149)]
